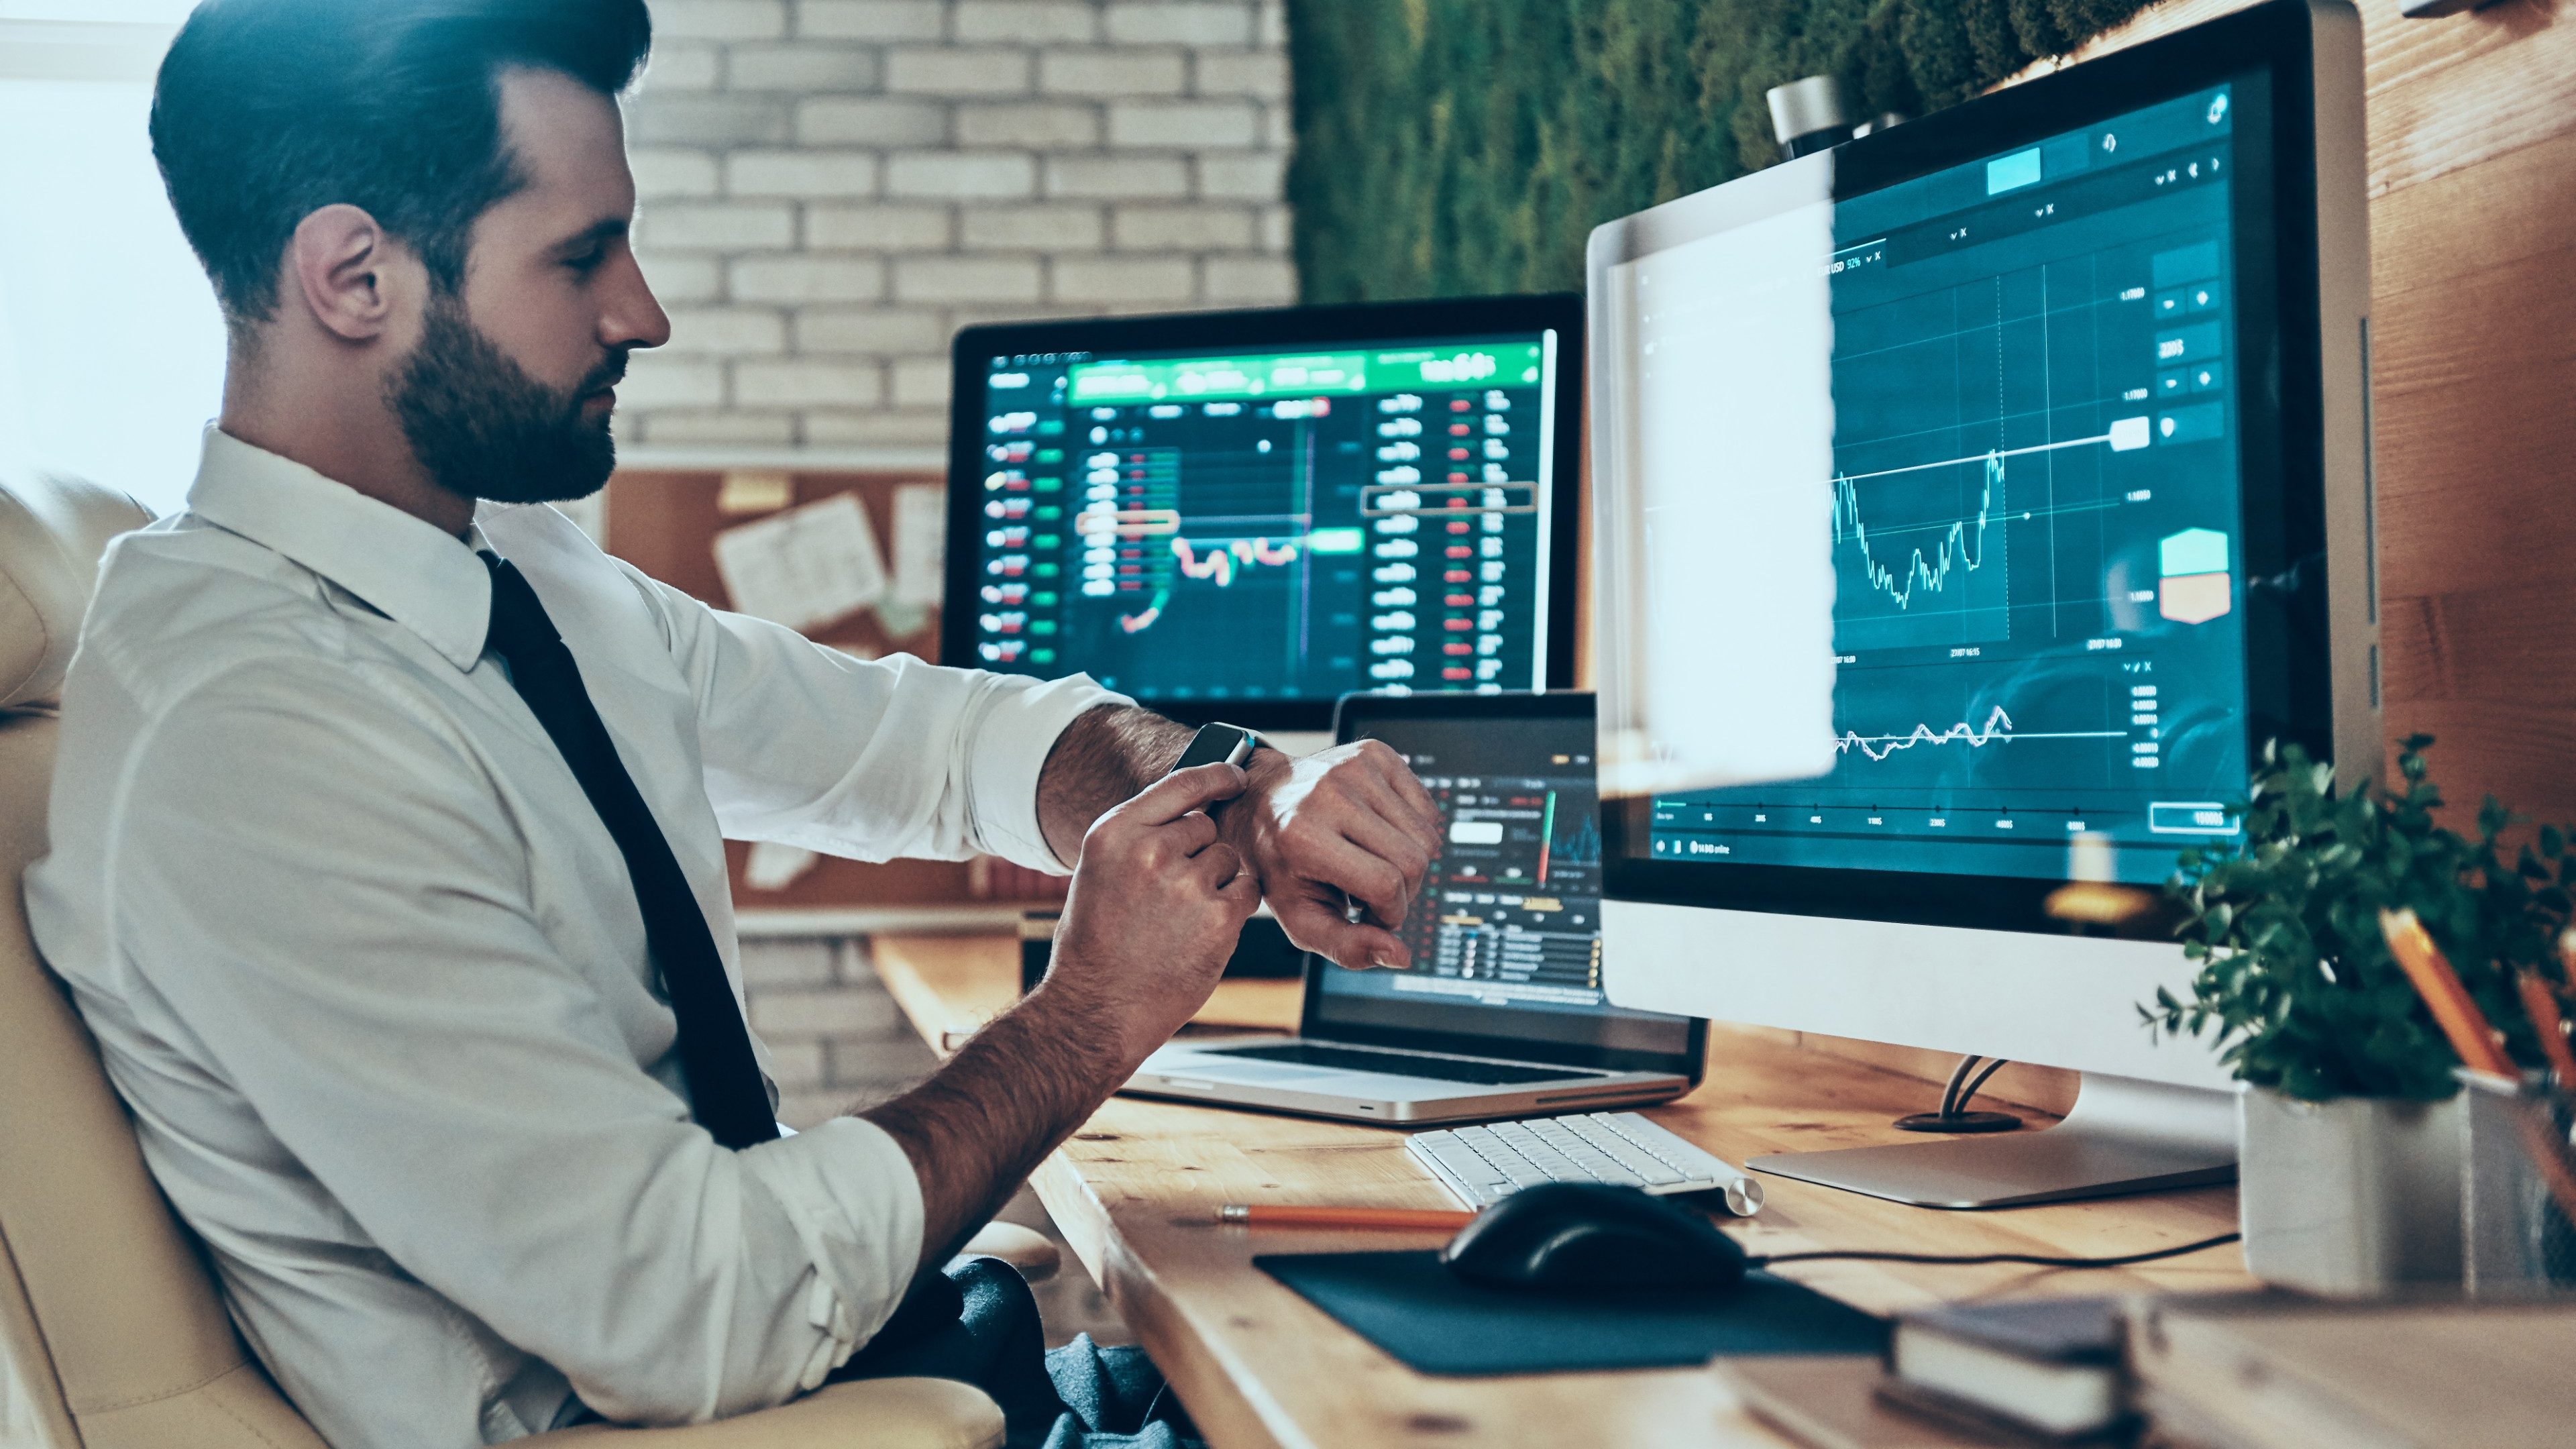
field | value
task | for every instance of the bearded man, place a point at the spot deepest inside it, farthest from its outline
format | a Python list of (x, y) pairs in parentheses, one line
[(388, 860)]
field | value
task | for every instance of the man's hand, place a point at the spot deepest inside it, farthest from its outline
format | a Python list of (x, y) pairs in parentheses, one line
[(1352, 820), (1156, 905)]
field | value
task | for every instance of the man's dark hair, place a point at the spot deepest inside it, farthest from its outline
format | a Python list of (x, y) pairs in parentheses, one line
[(269, 110)]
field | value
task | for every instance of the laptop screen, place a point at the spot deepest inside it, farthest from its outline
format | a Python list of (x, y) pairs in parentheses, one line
[(1506, 933)]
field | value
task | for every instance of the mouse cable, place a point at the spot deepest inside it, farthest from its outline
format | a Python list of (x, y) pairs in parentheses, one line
[(2033, 1259)]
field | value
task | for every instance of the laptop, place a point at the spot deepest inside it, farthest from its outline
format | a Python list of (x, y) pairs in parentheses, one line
[(1502, 1012)]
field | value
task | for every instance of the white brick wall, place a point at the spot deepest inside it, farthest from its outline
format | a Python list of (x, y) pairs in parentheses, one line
[(830, 188)]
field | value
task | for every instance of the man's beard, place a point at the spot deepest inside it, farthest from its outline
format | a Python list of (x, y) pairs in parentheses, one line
[(483, 428)]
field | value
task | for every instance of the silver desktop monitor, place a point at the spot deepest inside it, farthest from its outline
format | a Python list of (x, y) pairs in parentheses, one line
[(2081, 367)]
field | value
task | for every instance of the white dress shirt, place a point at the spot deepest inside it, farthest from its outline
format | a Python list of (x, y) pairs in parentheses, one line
[(369, 971)]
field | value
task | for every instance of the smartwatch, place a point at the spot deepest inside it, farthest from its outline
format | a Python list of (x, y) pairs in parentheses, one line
[(1218, 744)]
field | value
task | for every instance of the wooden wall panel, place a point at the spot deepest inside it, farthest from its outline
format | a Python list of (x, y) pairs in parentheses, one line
[(2460, 90), (2473, 232)]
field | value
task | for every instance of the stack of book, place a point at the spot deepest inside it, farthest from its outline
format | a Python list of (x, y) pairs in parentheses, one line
[(2248, 1371)]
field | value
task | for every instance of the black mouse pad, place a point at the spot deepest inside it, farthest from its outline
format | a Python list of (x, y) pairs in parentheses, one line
[(1436, 1322)]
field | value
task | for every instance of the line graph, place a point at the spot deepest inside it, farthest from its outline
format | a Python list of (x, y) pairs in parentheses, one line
[(1879, 747), (1217, 563), (1957, 548), (1981, 457), (1923, 559), (1969, 419), (1998, 729), (1143, 619), (1220, 562)]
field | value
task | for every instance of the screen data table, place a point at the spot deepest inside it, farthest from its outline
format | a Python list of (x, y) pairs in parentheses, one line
[(1281, 526)]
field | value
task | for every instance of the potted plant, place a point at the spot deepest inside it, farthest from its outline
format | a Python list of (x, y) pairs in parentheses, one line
[(2348, 1132)]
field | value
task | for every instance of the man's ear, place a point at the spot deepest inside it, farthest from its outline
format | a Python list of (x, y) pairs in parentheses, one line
[(349, 271)]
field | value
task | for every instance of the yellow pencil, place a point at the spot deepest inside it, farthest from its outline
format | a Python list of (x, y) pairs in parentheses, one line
[(2440, 987), (2476, 1043), (2542, 1004)]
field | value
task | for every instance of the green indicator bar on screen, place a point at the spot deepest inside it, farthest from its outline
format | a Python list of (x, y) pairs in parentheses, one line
[(1337, 540), (1510, 364), (1187, 379), (2192, 551)]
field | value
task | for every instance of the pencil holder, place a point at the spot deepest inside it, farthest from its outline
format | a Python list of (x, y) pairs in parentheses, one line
[(2518, 1240)]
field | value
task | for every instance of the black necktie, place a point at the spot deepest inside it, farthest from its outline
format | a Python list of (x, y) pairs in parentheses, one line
[(725, 1088)]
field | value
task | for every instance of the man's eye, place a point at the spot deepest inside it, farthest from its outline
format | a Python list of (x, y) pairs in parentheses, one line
[(587, 262)]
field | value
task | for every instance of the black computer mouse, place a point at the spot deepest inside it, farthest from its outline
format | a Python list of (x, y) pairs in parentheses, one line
[(1578, 1235)]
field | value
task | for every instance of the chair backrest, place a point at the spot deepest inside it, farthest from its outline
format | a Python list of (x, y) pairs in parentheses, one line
[(112, 1335)]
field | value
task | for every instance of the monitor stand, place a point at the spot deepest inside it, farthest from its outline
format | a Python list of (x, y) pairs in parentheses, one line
[(2124, 1136)]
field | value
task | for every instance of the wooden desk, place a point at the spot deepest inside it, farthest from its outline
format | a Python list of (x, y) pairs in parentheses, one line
[(1136, 1192)]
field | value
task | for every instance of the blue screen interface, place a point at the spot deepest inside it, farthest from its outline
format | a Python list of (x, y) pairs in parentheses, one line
[(2038, 619)]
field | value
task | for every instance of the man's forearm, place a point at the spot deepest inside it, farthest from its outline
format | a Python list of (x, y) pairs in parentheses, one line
[(1108, 754), (1103, 757), (984, 1121)]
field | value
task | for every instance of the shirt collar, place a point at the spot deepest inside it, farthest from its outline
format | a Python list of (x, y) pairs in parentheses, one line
[(411, 571)]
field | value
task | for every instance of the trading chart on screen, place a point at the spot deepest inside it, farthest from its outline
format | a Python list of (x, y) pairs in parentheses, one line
[(1510, 912), (1276, 526), (2035, 520)]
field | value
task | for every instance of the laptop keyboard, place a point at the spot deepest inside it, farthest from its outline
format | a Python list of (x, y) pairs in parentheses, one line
[(1404, 1064), (1482, 1164)]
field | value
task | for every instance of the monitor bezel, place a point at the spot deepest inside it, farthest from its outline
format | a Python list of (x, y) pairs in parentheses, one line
[(2281, 449), (1354, 712), (1366, 324)]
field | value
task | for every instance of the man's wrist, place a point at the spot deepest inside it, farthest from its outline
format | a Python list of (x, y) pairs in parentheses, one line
[(1264, 770), (1092, 1028)]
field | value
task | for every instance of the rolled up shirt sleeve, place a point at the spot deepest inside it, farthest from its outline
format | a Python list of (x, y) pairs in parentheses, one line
[(306, 861), (812, 746)]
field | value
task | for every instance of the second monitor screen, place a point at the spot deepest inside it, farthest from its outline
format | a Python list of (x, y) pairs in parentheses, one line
[(1280, 526)]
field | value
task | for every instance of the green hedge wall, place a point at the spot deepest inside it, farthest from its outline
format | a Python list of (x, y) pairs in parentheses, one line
[(1456, 147)]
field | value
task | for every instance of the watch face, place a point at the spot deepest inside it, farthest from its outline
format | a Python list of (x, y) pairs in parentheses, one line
[(1217, 744)]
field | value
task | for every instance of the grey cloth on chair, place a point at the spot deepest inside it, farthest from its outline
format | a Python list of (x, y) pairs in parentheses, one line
[(978, 1323)]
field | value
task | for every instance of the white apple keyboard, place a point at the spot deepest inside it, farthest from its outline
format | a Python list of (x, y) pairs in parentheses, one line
[(1482, 1164)]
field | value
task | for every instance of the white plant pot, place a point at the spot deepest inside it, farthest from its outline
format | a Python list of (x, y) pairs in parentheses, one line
[(2350, 1198)]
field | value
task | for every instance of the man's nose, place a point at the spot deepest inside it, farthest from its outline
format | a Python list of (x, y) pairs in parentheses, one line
[(634, 317)]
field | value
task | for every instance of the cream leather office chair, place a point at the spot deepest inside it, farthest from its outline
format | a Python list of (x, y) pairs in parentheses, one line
[(111, 1333)]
